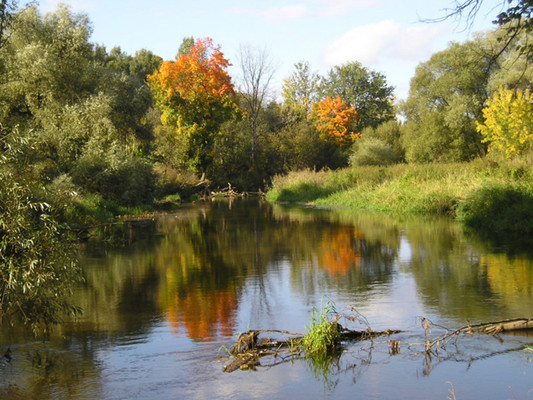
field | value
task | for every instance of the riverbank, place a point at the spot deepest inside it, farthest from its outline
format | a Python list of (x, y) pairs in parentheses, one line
[(485, 196)]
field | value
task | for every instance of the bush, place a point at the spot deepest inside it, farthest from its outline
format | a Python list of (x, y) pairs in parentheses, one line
[(38, 265), (498, 210), (372, 151), (171, 180), (116, 176)]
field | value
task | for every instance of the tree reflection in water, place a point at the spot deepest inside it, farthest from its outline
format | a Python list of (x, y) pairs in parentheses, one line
[(204, 273)]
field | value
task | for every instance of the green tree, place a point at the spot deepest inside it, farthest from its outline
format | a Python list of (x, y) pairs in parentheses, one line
[(300, 89), (365, 89), (514, 19), (47, 64), (77, 101), (445, 99), (514, 69), (186, 46), (38, 268), (379, 146), (7, 8)]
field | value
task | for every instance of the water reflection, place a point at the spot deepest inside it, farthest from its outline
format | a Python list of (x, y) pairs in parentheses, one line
[(158, 306)]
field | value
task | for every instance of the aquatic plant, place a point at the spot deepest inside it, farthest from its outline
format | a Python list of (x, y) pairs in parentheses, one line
[(323, 334)]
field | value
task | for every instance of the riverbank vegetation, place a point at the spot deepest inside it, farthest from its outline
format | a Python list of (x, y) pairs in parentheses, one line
[(483, 194), (88, 133)]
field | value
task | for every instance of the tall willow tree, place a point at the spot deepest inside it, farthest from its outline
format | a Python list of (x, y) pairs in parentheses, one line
[(445, 99)]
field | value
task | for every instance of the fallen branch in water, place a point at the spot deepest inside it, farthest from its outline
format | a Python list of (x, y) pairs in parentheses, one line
[(249, 347), (325, 335), (489, 328)]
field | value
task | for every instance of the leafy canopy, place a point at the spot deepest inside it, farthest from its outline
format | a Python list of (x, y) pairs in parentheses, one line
[(38, 266), (195, 95), (335, 121), (508, 125), (363, 88)]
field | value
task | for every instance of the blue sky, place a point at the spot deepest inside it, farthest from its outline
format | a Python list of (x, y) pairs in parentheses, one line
[(384, 35)]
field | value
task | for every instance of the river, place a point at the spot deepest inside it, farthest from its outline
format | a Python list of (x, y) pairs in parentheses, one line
[(169, 295)]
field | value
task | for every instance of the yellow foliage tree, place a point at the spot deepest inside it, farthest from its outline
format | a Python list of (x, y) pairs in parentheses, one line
[(508, 126)]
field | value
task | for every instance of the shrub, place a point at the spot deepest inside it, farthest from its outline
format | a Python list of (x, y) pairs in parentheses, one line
[(499, 210), (124, 179), (38, 265), (508, 125), (372, 151)]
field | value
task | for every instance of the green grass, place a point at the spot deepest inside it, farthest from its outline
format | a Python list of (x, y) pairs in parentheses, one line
[(93, 209), (322, 336), (481, 194)]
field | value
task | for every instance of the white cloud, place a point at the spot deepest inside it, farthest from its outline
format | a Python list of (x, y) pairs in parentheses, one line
[(364, 43), (339, 7), (288, 13), (416, 41), (306, 9), (276, 15), (369, 44)]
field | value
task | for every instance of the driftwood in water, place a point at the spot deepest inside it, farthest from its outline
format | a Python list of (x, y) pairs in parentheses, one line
[(249, 347), (490, 328), (493, 328)]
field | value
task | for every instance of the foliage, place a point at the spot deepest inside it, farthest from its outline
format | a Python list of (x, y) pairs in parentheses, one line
[(7, 7), (508, 125), (115, 175), (372, 151), (195, 94), (300, 90), (360, 87), (322, 335), (299, 146), (428, 189), (46, 61), (38, 266), (499, 210), (445, 99), (335, 121), (389, 132), (516, 20), (80, 103), (514, 68)]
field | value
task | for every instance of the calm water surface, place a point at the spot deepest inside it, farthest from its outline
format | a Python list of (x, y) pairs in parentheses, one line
[(159, 309)]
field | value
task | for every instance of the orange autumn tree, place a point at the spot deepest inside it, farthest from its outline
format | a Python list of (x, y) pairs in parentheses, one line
[(195, 95), (335, 121)]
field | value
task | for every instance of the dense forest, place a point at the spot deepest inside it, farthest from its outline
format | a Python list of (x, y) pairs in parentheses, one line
[(87, 134)]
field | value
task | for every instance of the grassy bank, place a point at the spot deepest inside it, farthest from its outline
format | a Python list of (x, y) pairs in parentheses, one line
[(484, 195)]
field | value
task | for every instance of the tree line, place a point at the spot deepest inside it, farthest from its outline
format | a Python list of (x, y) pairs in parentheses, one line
[(84, 129)]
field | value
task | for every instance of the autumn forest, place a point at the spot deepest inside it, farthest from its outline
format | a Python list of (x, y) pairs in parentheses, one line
[(88, 133)]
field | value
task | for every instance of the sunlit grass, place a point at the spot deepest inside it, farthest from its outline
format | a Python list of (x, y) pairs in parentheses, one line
[(473, 192), (322, 335)]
